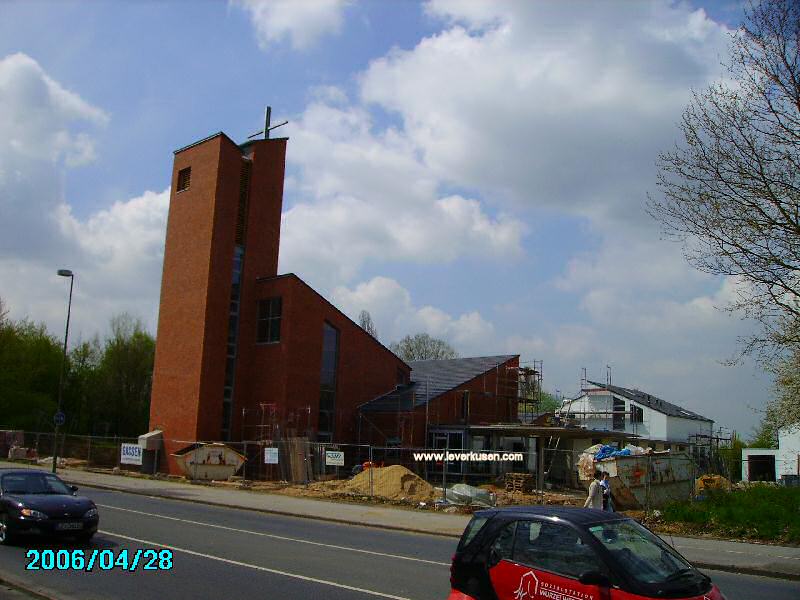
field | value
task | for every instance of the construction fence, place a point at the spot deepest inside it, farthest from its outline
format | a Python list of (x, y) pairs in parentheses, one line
[(346, 468)]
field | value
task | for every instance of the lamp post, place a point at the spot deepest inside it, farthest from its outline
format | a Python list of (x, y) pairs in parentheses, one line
[(59, 415)]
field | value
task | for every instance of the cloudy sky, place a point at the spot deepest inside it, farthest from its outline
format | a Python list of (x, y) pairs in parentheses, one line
[(475, 170)]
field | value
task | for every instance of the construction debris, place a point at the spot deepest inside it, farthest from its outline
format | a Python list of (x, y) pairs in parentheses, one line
[(519, 482)]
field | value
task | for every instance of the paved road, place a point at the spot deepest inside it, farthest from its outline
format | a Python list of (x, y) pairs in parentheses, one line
[(221, 552)]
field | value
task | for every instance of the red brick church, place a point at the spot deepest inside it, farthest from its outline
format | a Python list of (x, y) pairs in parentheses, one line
[(240, 346)]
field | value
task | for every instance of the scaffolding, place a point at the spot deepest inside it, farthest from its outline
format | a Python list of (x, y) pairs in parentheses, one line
[(270, 421)]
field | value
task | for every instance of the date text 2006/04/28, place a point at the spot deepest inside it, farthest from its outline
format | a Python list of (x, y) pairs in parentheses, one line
[(148, 559)]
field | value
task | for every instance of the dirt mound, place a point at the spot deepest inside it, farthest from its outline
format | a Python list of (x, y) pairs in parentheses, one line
[(394, 482)]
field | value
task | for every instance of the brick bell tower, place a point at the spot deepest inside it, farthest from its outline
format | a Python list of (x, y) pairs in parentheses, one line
[(223, 232)]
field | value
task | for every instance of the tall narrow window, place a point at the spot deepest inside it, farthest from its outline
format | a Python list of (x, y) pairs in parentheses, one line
[(619, 414), (269, 321), (184, 178), (327, 380), (465, 406)]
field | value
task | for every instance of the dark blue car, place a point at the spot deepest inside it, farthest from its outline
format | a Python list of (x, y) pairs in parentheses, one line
[(39, 503)]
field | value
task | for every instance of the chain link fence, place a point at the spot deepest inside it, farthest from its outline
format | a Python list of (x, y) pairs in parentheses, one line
[(422, 474)]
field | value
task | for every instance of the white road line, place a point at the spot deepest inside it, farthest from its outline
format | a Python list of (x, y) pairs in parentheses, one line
[(278, 537), (256, 567)]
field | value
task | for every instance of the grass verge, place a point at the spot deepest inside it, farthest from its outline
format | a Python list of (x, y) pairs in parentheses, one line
[(758, 512)]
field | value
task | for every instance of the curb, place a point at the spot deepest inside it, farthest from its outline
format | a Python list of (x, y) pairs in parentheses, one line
[(748, 571), (33, 592)]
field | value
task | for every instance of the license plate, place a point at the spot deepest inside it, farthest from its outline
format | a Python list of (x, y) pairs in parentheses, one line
[(68, 526)]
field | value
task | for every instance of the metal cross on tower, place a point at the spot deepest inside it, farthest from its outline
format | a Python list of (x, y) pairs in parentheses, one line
[(267, 126)]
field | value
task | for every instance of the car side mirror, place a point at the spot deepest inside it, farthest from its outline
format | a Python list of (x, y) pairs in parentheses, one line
[(494, 557), (74, 489), (594, 578)]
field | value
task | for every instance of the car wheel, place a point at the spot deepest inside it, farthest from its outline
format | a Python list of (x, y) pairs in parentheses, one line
[(6, 538)]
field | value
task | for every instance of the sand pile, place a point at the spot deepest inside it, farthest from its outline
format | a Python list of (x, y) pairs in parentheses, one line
[(395, 482)]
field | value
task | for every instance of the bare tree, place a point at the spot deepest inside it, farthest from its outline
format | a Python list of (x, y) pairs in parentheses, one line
[(422, 347), (731, 191), (367, 324)]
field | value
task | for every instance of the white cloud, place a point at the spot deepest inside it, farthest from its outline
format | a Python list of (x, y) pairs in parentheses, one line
[(553, 104), (303, 22), (366, 197), (40, 134), (395, 315), (116, 253)]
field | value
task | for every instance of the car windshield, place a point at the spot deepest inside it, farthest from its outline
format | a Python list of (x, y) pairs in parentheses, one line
[(33, 483), (643, 555)]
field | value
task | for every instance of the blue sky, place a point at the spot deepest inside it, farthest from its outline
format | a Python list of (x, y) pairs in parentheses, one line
[(476, 170)]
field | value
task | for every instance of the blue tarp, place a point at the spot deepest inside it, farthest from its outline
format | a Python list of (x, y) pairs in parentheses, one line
[(610, 452)]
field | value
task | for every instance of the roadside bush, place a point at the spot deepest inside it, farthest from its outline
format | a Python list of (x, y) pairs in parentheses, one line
[(767, 513)]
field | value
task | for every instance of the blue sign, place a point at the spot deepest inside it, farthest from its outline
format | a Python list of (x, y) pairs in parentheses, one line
[(59, 418)]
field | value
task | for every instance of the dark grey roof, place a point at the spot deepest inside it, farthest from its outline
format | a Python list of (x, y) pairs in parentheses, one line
[(657, 404), (435, 377), (432, 378), (401, 399)]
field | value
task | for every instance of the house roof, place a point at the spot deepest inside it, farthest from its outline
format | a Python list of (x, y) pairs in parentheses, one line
[(432, 378), (653, 402), (440, 376)]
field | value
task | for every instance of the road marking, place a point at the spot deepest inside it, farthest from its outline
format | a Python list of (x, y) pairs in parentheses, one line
[(256, 567), (278, 537)]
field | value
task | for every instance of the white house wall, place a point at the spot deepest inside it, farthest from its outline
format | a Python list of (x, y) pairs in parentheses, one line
[(596, 407), (789, 451), (679, 430)]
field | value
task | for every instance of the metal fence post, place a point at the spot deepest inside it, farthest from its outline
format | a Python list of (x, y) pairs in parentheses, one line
[(444, 469), (371, 466), (89, 452)]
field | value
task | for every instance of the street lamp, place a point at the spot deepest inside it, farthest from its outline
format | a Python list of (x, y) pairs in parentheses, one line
[(59, 414)]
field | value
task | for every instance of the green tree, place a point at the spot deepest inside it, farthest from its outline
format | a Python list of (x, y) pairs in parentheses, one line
[(422, 347), (30, 360), (766, 434), (83, 393), (549, 402), (125, 376), (731, 456)]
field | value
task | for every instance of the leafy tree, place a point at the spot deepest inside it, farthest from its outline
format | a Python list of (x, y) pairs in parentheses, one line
[(125, 377), (422, 347), (731, 192), (549, 402), (367, 324), (766, 434), (30, 360), (731, 456), (83, 393)]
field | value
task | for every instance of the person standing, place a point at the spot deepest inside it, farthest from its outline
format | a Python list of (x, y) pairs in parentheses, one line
[(595, 498), (605, 483)]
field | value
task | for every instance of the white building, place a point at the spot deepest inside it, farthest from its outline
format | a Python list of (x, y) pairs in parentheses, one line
[(764, 464), (658, 423)]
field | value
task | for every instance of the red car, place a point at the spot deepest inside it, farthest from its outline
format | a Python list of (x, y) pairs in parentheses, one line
[(562, 553)]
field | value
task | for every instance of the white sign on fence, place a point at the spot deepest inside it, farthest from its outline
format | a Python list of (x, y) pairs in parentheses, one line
[(130, 454), (270, 456), (334, 458)]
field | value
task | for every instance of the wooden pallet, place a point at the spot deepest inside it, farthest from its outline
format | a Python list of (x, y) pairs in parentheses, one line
[(519, 482)]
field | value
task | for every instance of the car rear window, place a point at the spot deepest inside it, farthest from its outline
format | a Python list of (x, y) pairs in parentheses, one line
[(471, 531)]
